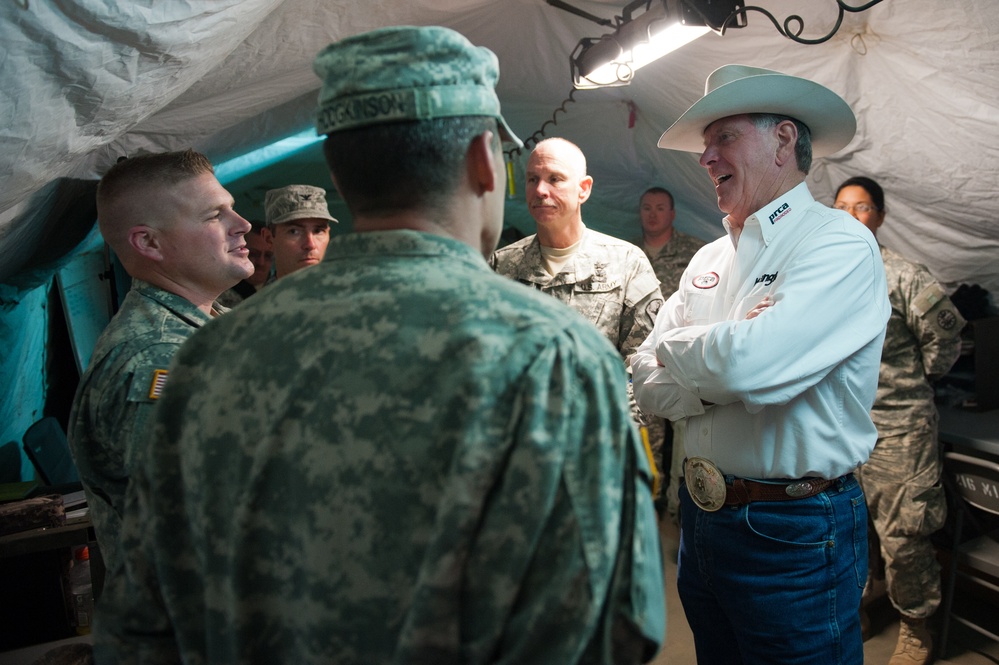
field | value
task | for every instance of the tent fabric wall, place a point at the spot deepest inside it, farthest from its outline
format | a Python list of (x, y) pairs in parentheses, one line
[(88, 81), (23, 337), (39, 376)]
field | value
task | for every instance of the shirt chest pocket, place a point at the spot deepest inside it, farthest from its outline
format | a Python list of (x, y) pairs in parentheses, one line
[(697, 308), (595, 300)]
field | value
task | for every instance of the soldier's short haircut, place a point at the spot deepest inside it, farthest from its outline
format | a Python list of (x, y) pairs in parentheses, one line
[(120, 192), (166, 168), (658, 190), (388, 168)]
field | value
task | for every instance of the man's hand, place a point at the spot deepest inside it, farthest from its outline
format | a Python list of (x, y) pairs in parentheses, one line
[(756, 311)]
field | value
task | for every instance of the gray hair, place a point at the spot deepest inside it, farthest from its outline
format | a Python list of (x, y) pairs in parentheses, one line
[(802, 149)]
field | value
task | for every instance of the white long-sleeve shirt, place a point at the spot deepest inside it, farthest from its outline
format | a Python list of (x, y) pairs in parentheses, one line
[(790, 391)]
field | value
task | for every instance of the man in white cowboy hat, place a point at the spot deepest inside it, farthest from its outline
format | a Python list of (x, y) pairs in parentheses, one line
[(770, 348)]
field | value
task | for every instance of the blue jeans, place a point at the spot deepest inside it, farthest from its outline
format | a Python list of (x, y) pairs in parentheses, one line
[(776, 582)]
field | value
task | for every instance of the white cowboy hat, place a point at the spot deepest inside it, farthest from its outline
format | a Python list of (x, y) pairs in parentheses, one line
[(737, 89)]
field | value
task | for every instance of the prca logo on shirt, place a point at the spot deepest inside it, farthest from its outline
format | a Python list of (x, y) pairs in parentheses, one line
[(707, 280), (780, 212)]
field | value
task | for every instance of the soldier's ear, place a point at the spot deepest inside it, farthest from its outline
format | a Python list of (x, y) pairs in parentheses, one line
[(585, 188), (481, 165), (145, 241)]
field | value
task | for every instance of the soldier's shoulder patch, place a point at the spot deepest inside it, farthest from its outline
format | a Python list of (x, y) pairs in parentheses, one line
[(947, 321), (653, 308), (928, 299)]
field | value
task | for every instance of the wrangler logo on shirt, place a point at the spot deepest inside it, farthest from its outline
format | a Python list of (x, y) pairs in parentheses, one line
[(767, 279), (779, 212)]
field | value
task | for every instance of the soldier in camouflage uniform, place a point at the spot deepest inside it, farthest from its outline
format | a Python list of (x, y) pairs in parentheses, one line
[(433, 465), (605, 279), (298, 227), (669, 252), (668, 249), (901, 480), (172, 226)]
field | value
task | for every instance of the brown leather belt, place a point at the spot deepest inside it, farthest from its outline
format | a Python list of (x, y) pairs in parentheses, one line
[(742, 491), (710, 489)]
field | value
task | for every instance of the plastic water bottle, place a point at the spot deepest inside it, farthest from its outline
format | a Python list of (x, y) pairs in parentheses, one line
[(81, 590)]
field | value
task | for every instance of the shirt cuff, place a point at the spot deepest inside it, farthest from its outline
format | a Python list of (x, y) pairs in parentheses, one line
[(657, 393)]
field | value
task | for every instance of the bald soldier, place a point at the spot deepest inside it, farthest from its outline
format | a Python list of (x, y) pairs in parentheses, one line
[(173, 227), (607, 280)]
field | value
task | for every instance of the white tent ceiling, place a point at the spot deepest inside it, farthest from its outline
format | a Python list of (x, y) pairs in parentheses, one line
[(86, 81)]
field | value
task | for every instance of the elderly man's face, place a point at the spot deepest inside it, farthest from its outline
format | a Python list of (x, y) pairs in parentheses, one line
[(741, 161)]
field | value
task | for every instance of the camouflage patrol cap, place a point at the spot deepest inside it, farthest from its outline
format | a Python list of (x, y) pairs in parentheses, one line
[(293, 202), (406, 73)]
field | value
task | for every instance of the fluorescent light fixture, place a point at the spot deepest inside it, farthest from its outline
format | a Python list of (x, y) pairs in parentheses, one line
[(662, 27), (620, 70)]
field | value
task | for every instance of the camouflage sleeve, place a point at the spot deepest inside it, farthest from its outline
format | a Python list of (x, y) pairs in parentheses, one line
[(642, 300), (638, 629), (119, 409), (131, 624), (594, 535), (139, 386), (935, 323), (637, 321), (636, 325), (144, 388)]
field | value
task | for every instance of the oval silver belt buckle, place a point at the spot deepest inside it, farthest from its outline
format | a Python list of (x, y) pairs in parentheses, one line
[(705, 483), (798, 489)]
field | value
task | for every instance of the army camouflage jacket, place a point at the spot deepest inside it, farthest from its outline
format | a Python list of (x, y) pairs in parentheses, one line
[(127, 371), (609, 281), (395, 456), (672, 259), (923, 340)]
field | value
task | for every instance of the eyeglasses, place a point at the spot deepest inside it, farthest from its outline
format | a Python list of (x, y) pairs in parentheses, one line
[(859, 207)]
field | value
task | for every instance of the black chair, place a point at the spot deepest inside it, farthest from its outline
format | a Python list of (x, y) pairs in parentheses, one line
[(973, 484), (46, 446), (10, 462)]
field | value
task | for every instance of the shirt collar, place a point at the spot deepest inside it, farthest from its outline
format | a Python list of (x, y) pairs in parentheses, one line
[(180, 306), (777, 215), (401, 242)]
